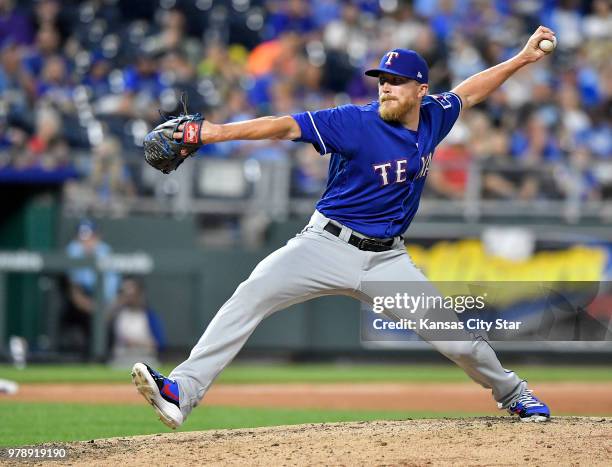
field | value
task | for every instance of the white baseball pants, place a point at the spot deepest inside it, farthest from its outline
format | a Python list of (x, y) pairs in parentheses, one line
[(312, 264)]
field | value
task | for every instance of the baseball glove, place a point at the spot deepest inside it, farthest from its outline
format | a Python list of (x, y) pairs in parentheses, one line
[(164, 152)]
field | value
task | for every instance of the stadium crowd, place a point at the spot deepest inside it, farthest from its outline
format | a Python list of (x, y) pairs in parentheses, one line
[(88, 77)]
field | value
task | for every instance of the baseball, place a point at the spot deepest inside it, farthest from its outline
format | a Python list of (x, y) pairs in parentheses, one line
[(548, 45)]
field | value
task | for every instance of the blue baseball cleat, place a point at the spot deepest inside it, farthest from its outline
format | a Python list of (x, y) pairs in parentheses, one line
[(162, 393), (529, 408)]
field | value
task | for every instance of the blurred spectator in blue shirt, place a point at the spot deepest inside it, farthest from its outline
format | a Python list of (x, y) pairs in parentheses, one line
[(324, 11), (48, 44), (97, 77), (446, 19), (598, 137), (288, 15), (11, 84), (576, 178), (88, 243), (54, 86), (143, 86), (309, 172), (77, 317), (535, 144)]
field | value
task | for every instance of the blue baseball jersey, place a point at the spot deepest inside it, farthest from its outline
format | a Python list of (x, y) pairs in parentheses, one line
[(377, 169)]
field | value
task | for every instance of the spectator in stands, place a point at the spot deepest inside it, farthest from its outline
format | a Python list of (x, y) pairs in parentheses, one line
[(226, 64), (47, 44), (309, 172), (178, 69), (75, 325), (143, 85), (13, 144), (236, 109), (349, 33), (136, 331), (535, 143), (49, 13), (288, 15), (446, 19), (576, 178), (104, 96), (46, 148), (12, 91), (108, 188), (501, 177), (587, 74), (598, 136), (324, 11), (598, 24), (464, 59), (448, 177), (435, 54), (173, 37), (110, 179), (566, 21), (54, 86), (574, 120)]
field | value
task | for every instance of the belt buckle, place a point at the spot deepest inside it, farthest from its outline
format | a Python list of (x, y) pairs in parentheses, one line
[(374, 246)]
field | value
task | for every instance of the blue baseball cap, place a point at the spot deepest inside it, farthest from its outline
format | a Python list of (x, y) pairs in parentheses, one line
[(402, 62), (86, 228)]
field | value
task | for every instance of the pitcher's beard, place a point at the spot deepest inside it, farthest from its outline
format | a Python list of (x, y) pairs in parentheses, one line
[(393, 113)]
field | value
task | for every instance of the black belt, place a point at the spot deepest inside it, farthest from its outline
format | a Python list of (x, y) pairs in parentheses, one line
[(366, 244)]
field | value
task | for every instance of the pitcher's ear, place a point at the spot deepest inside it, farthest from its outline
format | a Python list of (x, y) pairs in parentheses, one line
[(423, 89)]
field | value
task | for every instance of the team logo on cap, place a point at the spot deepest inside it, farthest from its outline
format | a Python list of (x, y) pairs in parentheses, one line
[(390, 56), (419, 75)]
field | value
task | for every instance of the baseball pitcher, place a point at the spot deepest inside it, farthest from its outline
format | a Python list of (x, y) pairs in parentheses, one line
[(380, 156)]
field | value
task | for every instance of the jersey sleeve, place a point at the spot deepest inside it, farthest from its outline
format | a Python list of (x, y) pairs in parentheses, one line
[(445, 109), (333, 130)]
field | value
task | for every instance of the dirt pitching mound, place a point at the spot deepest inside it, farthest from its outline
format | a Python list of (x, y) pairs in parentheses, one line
[(474, 441)]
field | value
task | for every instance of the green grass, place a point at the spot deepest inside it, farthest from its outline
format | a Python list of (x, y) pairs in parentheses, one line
[(306, 373), (36, 423)]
